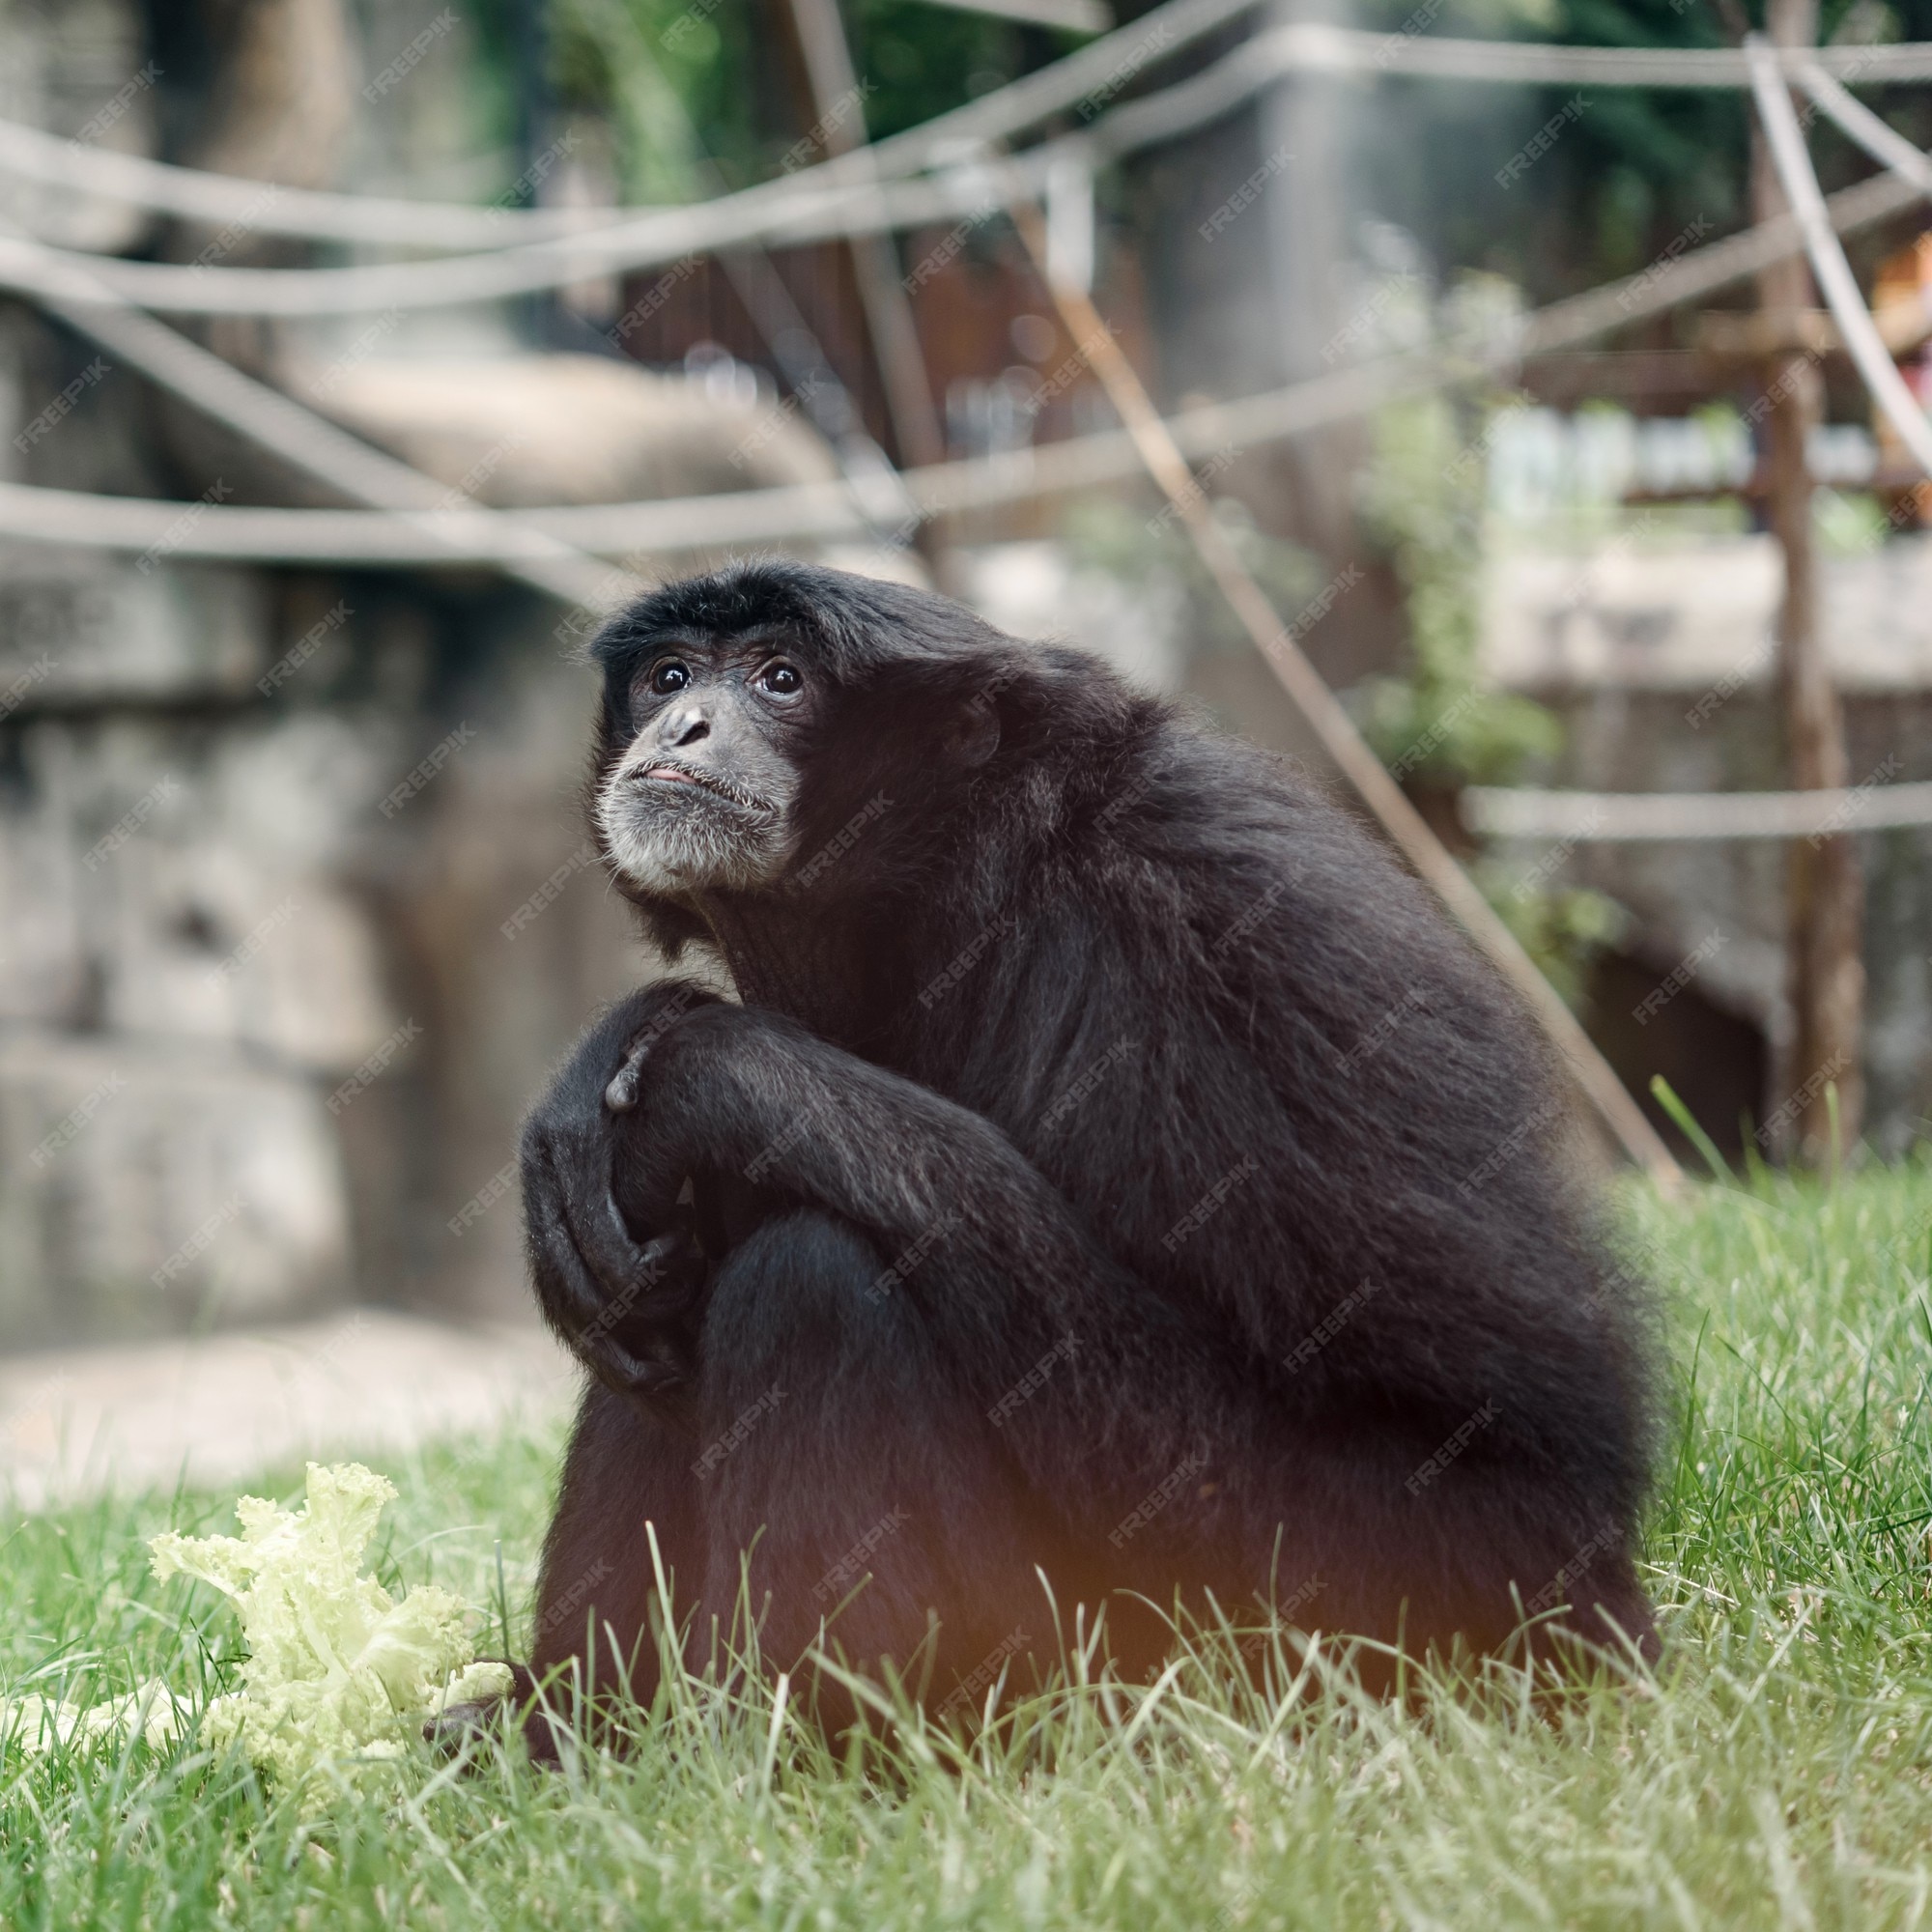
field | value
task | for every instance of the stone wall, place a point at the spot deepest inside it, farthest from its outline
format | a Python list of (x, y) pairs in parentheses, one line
[(269, 1008)]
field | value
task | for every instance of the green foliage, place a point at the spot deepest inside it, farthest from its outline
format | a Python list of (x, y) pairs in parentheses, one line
[(1439, 724), (1849, 524), (1636, 169), (1561, 927), (923, 60), (1631, 171), (1776, 1771), (1422, 501), (683, 83), (671, 80)]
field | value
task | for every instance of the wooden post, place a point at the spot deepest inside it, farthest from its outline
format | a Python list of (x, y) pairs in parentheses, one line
[(1825, 948), (839, 102)]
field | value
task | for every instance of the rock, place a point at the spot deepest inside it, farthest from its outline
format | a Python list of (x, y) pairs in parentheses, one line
[(499, 908), (518, 431), (182, 879), (147, 1185), (81, 627)]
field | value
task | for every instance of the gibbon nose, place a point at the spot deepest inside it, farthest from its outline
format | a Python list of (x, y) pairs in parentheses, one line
[(685, 726)]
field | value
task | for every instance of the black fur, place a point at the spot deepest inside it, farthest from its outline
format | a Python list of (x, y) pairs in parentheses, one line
[(1118, 1166)]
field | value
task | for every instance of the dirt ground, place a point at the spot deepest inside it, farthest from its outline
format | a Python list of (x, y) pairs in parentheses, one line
[(214, 1410)]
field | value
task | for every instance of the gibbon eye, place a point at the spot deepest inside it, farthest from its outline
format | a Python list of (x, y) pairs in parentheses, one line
[(781, 679), (669, 676)]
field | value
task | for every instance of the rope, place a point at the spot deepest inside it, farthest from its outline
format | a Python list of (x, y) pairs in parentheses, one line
[(1885, 145), (1623, 818), (1310, 47), (1581, 817), (1097, 72), (830, 201), (780, 211), (1323, 712), (1868, 353), (384, 540), (31, 153), (320, 448), (826, 511)]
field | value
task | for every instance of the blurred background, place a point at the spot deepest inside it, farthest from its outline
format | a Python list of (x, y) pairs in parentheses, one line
[(297, 904)]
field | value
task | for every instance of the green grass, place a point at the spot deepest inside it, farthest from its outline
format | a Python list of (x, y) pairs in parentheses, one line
[(1778, 1771)]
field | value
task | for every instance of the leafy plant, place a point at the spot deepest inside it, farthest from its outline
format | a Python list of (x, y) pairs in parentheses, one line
[(1561, 927), (1422, 501), (1438, 725)]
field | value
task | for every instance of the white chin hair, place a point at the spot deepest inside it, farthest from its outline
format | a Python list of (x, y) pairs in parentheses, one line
[(688, 848)]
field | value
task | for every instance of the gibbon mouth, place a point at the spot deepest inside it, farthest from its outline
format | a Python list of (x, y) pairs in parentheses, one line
[(663, 771)]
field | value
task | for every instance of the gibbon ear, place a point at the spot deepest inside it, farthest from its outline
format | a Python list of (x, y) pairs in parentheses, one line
[(973, 735)]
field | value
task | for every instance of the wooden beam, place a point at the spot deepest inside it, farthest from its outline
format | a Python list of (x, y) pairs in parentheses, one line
[(1755, 335), (1824, 952)]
